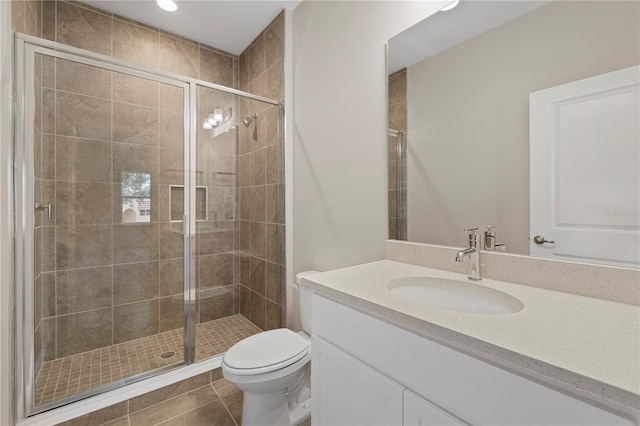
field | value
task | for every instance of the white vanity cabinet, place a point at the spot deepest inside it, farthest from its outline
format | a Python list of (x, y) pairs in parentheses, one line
[(352, 393), (366, 371), (417, 411)]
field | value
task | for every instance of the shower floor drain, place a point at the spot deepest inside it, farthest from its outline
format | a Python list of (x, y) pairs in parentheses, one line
[(166, 355)]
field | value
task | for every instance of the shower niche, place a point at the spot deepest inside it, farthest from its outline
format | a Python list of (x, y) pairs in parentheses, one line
[(153, 254), (176, 194)]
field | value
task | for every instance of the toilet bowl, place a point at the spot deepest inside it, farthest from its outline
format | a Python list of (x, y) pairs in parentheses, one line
[(273, 370)]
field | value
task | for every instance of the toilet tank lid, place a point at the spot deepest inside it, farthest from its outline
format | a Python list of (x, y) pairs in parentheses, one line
[(265, 349)]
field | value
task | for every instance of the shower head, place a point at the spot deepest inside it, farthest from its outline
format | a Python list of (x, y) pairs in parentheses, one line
[(247, 120)]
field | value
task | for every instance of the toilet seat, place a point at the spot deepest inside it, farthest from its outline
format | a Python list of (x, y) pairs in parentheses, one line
[(265, 352)]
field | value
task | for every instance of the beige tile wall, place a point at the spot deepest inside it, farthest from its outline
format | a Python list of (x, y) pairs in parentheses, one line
[(104, 282), (260, 183), (106, 274), (112, 282), (397, 122)]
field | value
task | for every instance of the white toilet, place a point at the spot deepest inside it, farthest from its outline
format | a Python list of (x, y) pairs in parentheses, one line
[(273, 370)]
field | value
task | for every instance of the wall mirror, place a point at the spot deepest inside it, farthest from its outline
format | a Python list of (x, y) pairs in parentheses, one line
[(523, 116)]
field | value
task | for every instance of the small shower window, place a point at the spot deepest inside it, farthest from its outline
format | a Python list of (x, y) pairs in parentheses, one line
[(136, 197), (176, 198)]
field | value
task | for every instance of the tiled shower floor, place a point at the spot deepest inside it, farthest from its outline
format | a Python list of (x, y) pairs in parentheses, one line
[(88, 370)]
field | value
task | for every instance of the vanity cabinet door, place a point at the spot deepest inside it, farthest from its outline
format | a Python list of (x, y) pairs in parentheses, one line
[(420, 412), (348, 392)]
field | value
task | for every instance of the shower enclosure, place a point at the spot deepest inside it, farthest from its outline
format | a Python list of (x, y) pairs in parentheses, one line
[(397, 154), (149, 217), (397, 141)]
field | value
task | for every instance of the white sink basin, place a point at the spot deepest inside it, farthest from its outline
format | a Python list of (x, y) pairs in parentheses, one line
[(452, 295)]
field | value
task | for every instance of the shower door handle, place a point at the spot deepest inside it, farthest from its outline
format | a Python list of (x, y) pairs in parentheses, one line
[(43, 206)]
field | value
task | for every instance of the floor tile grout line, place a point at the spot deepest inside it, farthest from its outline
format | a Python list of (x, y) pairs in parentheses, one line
[(173, 398), (223, 403)]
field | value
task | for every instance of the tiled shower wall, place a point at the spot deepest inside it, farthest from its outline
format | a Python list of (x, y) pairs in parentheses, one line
[(397, 123), (261, 183), (79, 317), (112, 282), (106, 281)]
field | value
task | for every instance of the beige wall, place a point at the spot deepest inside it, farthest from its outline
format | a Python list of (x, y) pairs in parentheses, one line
[(8, 407), (468, 114), (340, 125)]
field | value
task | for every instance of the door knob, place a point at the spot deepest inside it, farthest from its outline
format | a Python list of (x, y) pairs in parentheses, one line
[(539, 239)]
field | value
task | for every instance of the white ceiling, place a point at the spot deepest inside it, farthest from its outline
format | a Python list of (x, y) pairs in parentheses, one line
[(231, 25), (227, 25), (447, 29)]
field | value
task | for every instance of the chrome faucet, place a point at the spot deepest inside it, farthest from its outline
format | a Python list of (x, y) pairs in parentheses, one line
[(474, 255)]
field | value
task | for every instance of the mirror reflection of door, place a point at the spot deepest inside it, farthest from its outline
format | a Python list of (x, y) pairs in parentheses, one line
[(585, 169), (469, 73)]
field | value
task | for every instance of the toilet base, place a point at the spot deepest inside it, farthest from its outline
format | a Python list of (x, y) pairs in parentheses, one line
[(265, 408), (298, 413), (272, 408)]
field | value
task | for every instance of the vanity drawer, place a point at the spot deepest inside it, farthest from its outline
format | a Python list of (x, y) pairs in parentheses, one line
[(472, 390)]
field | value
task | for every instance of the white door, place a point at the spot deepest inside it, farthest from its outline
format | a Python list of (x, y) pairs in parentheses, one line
[(585, 162)]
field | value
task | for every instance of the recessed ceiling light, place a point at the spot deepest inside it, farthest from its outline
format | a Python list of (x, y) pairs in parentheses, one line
[(444, 9), (168, 5)]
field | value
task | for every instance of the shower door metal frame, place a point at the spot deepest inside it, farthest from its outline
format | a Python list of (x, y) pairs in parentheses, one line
[(401, 157), (25, 220), (26, 47)]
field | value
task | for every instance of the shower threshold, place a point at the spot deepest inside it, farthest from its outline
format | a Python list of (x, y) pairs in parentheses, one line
[(78, 373)]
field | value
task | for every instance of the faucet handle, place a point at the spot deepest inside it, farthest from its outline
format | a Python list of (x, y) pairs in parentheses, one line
[(490, 238), (473, 237)]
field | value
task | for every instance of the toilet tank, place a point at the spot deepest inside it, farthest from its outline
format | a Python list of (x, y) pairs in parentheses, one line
[(304, 301)]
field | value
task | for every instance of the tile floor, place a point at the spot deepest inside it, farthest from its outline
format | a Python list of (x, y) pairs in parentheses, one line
[(88, 370), (203, 400)]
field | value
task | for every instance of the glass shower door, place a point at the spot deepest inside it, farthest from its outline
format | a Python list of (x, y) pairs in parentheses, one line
[(104, 152)]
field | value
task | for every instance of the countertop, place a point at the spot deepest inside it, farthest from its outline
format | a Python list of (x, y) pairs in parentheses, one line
[(587, 346)]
